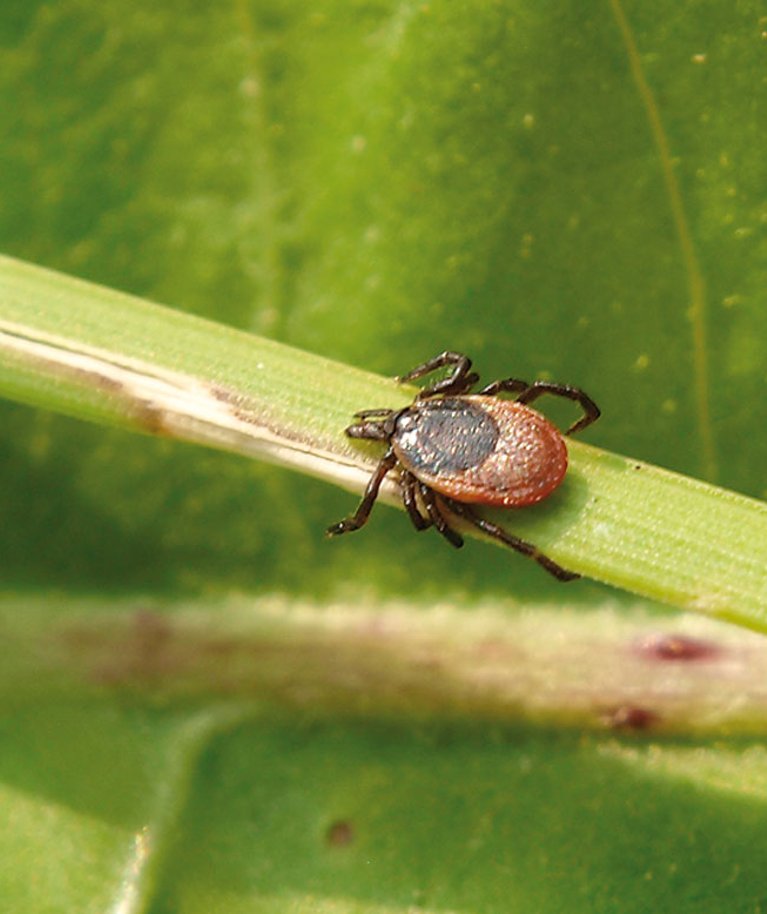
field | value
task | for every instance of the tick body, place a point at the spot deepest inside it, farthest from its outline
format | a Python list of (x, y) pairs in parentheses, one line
[(455, 449), (479, 450)]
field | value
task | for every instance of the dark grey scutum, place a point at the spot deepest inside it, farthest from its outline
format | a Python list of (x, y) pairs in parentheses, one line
[(445, 437)]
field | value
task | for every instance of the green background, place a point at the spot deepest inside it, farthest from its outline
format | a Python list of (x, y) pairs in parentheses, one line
[(376, 182)]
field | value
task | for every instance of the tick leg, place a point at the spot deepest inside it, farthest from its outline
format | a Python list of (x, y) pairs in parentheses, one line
[(361, 515), (491, 529), (436, 516), (508, 385), (409, 483), (591, 411), (381, 413), (459, 381)]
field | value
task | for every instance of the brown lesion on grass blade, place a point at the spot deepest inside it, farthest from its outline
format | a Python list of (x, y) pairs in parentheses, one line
[(631, 718), (679, 648), (145, 650), (150, 418)]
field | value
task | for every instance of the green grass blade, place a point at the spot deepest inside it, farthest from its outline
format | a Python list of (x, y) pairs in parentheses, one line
[(97, 354)]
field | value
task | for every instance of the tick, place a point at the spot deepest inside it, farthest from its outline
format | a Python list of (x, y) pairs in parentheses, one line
[(454, 449)]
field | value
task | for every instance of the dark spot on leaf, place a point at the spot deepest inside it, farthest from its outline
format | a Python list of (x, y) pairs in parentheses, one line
[(340, 833), (631, 717), (679, 647)]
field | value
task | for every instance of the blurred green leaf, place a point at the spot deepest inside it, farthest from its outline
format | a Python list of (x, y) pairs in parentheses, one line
[(375, 182)]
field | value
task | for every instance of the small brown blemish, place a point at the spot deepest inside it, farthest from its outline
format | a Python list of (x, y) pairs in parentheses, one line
[(135, 653), (144, 653), (144, 413), (631, 717), (224, 394), (101, 380), (221, 647), (340, 833), (679, 648), (150, 418), (239, 406), (151, 631)]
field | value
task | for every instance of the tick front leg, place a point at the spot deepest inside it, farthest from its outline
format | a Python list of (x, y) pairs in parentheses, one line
[(459, 381), (380, 413), (361, 515), (514, 542), (591, 411)]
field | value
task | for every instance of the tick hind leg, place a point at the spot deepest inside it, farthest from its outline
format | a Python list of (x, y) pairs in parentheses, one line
[(459, 381), (507, 385), (361, 515), (433, 509), (409, 484), (529, 392), (514, 542), (591, 411)]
